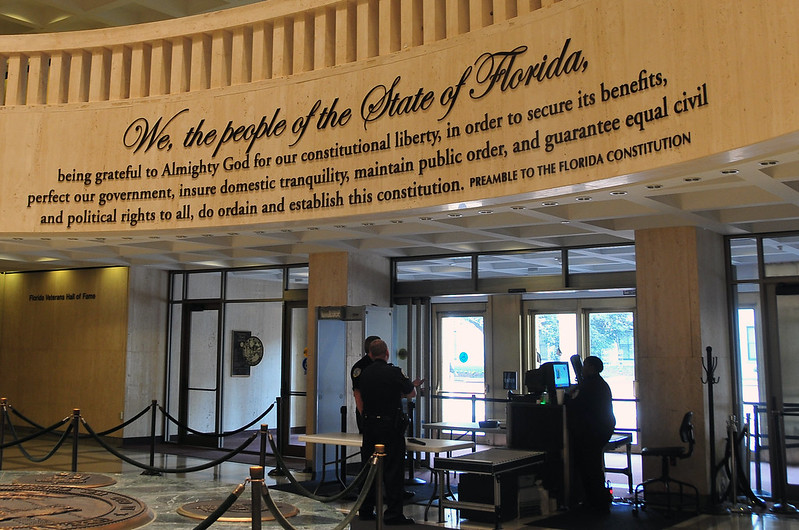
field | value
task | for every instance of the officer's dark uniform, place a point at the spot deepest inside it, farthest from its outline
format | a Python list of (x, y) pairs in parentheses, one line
[(591, 422), (355, 376), (382, 387)]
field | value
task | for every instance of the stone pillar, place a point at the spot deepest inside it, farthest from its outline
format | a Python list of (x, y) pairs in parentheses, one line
[(681, 306)]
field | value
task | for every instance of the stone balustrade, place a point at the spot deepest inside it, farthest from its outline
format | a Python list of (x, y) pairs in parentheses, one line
[(267, 40)]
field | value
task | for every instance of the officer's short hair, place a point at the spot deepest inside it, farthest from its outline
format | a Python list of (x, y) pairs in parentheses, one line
[(368, 341), (595, 362), (378, 349)]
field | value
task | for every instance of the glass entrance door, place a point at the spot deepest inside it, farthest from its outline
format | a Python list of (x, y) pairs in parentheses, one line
[(461, 343), (782, 392), (611, 338), (555, 337), (198, 407)]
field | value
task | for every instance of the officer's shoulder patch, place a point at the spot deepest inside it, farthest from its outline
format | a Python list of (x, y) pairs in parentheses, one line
[(356, 371)]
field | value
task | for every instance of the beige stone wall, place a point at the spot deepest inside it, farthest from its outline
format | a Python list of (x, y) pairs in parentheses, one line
[(444, 112), (63, 345)]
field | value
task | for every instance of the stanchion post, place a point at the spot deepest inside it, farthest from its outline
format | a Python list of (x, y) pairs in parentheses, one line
[(380, 452), (3, 414), (262, 452), (75, 438), (277, 472), (343, 428), (153, 412), (257, 489)]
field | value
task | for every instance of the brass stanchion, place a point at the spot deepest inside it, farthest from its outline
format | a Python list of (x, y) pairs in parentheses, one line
[(257, 490), (380, 452), (262, 452), (75, 438)]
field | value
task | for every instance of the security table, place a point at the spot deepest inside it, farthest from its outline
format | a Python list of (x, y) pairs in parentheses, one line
[(432, 446), (470, 428), (622, 440), (493, 462)]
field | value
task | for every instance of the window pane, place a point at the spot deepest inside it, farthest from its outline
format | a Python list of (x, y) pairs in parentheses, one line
[(462, 366), (517, 265), (555, 337), (451, 268), (602, 259), (177, 286), (611, 339), (249, 284), (743, 257), (298, 278), (204, 285), (781, 255)]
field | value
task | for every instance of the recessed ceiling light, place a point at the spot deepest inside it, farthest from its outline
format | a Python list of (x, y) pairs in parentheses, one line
[(151, 237), (583, 198), (563, 223), (654, 186), (368, 223), (425, 218), (181, 237), (729, 171), (285, 229), (456, 215), (340, 226), (208, 235), (517, 207), (692, 179), (260, 232), (549, 203), (232, 233), (484, 212), (312, 228), (397, 221), (768, 163), (618, 192)]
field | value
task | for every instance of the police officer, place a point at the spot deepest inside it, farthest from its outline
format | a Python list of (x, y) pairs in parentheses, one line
[(382, 387), (355, 374), (591, 424)]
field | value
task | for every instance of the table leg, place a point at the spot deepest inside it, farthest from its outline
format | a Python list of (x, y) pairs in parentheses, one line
[(629, 467), (497, 502), (441, 499)]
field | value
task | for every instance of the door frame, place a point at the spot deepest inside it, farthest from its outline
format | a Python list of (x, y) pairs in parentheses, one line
[(774, 392), (183, 435), (287, 394)]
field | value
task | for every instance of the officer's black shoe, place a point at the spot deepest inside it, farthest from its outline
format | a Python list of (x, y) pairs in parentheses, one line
[(366, 516), (398, 520)]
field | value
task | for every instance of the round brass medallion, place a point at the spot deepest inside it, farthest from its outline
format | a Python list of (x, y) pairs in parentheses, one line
[(37, 506), (65, 478), (240, 512)]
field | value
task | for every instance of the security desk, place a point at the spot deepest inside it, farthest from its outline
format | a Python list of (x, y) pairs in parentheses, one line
[(534, 427), (494, 462)]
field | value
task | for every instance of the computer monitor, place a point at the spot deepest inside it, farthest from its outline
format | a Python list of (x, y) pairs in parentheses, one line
[(556, 375), (535, 381), (561, 376)]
